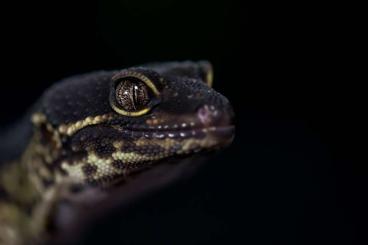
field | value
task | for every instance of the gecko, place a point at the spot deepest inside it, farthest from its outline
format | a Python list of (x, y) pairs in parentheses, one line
[(94, 131)]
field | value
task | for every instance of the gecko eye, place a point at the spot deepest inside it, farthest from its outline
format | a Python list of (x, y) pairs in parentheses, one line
[(132, 94)]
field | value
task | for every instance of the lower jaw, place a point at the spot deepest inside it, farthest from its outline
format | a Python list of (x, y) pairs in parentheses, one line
[(212, 141), (176, 150), (192, 160)]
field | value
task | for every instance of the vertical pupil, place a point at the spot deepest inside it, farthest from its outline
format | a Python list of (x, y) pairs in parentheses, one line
[(134, 92), (132, 95)]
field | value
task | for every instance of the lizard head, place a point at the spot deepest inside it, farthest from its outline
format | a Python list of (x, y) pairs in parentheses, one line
[(110, 124)]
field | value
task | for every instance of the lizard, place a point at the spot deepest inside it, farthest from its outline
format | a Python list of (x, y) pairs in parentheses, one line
[(95, 130)]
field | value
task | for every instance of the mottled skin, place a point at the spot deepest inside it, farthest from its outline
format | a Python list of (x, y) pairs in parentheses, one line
[(94, 130)]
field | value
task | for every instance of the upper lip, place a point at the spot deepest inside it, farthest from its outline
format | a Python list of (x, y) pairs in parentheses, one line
[(181, 132), (178, 127)]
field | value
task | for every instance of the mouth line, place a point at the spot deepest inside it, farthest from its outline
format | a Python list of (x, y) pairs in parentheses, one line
[(180, 133)]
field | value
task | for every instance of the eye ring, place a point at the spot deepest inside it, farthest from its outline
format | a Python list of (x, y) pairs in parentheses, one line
[(133, 77), (138, 76)]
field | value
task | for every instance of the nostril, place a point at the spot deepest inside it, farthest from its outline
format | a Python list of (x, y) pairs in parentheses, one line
[(212, 116), (206, 114)]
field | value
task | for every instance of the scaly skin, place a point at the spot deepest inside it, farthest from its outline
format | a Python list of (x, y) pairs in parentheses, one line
[(94, 130)]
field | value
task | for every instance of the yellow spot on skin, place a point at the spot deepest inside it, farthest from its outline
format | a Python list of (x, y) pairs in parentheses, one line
[(74, 171), (152, 122), (38, 118), (117, 144), (94, 159), (49, 127), (62, 129), (129, 157), (71, 128), (44, 172)]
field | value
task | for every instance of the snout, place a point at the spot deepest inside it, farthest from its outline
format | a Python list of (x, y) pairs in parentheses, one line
[(218, 122), (211, 116)]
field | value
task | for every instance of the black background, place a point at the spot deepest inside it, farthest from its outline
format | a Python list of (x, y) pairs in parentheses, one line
[(294, 174)]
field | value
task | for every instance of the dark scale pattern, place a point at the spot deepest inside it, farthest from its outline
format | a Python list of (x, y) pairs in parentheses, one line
[(188, 69), (76, 98), (70, 157), (103, 148), (97, 138), (128, 146), (138, 166), (89, 170), (118, 164), (148, 150), (191, 95)]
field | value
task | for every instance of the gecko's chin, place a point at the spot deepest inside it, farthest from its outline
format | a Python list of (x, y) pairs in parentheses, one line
[(224, 134)]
